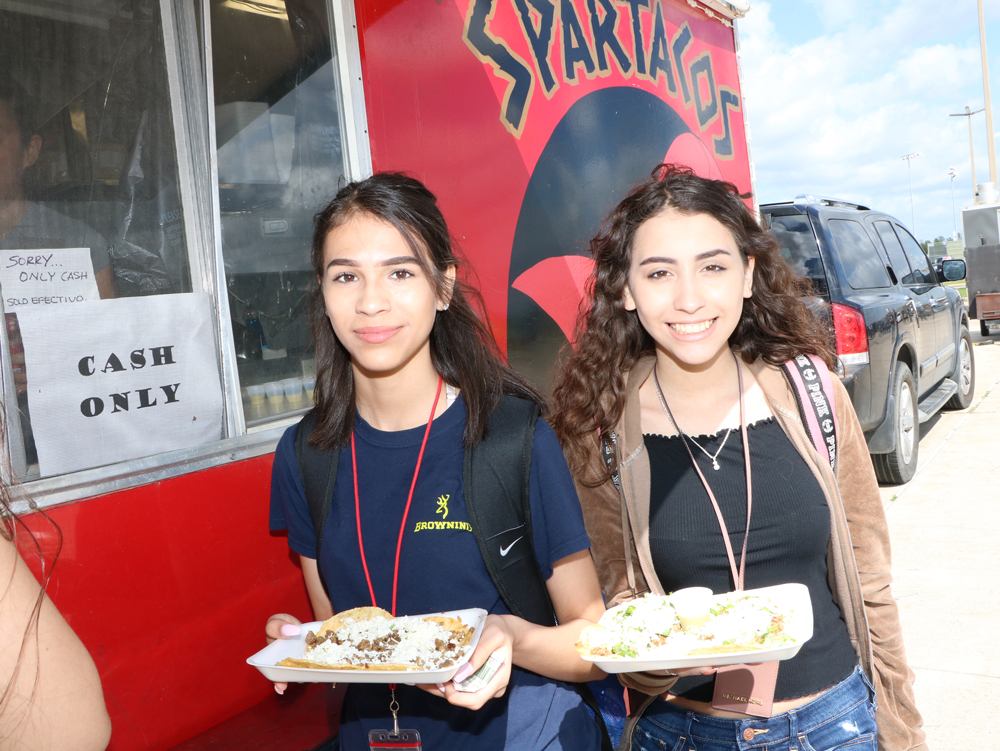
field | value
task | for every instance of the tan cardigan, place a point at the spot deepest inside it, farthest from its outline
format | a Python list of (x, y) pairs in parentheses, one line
[(858, 556)]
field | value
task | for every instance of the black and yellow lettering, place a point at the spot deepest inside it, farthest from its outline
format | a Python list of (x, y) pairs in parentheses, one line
[(539, 38), (506, 64), (604, 36), (678, 46), (659, 54), (706, 108), (728, 100), (575, 48), (440, 526), (639, 49)]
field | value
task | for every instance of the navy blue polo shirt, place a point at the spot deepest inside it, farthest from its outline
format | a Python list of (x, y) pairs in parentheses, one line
[(440, 568)]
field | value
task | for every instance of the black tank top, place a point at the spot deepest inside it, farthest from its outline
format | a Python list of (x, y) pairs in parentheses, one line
[(789, 537)]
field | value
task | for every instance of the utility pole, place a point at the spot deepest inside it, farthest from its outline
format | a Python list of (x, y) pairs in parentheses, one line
[(986, 91), (972, 149), (954, 214), (907, 158)]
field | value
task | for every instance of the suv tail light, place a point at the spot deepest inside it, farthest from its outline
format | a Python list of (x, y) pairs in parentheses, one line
[(851, 335)]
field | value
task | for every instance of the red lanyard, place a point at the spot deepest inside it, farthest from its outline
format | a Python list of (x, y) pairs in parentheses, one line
[(406, 511)]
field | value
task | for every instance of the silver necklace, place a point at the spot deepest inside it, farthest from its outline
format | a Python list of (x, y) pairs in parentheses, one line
[(666, 410)]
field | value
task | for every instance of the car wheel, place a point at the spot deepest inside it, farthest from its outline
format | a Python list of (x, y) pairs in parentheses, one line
[(965, 373), (900, 464), (984, 329)]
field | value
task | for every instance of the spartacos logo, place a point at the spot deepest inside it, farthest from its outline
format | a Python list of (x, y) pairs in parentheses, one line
[(568, 39)]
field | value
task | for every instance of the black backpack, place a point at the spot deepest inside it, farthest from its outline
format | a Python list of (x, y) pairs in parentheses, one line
[(496, 477)]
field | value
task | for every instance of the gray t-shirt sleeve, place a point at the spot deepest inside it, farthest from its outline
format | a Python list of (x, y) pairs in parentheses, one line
[(41, 227)]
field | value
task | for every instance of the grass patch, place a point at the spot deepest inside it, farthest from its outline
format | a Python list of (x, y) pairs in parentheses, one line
[(960, 286)]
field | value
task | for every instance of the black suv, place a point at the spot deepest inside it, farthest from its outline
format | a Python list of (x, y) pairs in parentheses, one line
[(903, 343)]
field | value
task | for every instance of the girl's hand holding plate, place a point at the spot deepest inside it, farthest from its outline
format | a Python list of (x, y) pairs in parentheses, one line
[(497, 639)]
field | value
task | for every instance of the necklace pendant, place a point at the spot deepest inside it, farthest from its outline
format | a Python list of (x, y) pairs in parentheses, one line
[(715, 464)]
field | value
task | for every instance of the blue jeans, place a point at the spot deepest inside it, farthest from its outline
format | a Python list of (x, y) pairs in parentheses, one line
[(842, 718)]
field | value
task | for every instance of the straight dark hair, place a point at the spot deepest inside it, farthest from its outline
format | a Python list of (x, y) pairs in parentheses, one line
[(463, 349)]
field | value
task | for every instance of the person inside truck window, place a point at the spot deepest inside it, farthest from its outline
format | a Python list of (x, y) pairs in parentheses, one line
[(28, 224), (679, 368), (397, 341), (51, 693)]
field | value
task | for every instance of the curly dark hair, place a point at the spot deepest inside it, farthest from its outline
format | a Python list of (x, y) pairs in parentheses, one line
[(775, 326), (463, 349)]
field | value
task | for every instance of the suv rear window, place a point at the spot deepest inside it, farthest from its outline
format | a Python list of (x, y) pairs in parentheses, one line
[(855, 255), (799, 248)]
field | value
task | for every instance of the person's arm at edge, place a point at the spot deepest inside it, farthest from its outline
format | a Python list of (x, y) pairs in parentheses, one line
[(65, 708)]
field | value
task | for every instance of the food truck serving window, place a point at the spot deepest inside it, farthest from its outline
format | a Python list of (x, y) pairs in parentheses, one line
[(280, 156), (156, 299)]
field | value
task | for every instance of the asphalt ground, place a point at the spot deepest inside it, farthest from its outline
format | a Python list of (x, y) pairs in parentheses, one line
[(945, 530)]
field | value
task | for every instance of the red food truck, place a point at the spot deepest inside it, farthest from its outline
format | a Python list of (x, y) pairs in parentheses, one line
[(172, 154)]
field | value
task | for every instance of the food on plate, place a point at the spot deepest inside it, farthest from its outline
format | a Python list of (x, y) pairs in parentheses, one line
[(371, 639), (650, 628)]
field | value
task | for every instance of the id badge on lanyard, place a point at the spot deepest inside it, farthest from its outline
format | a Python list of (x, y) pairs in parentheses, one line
[(408, 740), (748, 689)]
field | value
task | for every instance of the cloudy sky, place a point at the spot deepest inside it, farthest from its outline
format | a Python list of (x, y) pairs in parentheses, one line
[(837, 91)]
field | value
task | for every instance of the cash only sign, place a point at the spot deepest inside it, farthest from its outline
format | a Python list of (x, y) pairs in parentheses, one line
[(113, 380)]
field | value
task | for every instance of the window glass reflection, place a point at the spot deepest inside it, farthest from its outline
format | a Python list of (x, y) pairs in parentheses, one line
[(88, 167), (278, 133)]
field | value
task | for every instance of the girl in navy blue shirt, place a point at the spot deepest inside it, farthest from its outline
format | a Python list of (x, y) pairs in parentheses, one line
[(397, 341)]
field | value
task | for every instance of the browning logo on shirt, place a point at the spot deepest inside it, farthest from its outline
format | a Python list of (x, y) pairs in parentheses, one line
[(442, 508), (422, 526)]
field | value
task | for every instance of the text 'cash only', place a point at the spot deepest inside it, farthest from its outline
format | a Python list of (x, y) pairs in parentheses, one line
[(137, 360)]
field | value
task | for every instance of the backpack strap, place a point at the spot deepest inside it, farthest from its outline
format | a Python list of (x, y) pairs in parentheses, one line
[(496, 475), (813, 389), (318, 470)]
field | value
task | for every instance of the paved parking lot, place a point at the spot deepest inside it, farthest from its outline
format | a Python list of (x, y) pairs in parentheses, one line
[(945, 529)]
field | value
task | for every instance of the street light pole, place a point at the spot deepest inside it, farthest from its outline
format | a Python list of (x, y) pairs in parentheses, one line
[(986, 90), (954, 213), (907, 158), (972, 149)]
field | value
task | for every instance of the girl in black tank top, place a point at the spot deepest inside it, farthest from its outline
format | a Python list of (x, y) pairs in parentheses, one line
[(685, 275)]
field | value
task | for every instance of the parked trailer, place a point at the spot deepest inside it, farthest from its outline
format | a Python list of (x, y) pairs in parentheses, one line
[(983, 284)]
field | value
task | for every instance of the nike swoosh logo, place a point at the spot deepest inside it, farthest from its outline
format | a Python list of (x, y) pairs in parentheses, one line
[(504, 551)]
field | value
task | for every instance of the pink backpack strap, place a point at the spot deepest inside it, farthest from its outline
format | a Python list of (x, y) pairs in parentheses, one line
[(813, 387)]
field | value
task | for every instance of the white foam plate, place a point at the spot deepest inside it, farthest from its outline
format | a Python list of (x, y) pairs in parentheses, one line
[(266, 659), (792, 599)]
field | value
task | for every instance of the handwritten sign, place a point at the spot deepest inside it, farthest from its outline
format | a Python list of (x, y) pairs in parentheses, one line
[(46, 278), (113, 380)]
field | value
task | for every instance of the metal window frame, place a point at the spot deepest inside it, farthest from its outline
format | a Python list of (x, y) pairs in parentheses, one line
[(189, 68)]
